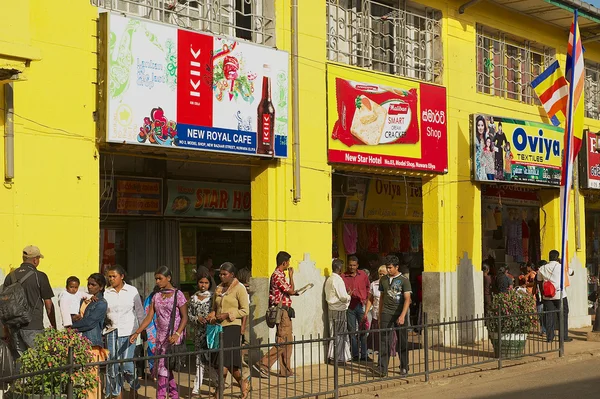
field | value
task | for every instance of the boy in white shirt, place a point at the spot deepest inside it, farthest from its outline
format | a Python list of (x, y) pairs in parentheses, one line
[(69, 301)]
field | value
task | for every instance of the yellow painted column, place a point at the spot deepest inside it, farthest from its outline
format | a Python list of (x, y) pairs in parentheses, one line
[(550, 234), (302, 228)]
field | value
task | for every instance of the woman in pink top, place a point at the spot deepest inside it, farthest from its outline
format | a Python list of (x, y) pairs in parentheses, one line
[(162, 306)]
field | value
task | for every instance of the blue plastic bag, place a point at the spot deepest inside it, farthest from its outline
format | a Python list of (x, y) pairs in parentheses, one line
[(212, 335)]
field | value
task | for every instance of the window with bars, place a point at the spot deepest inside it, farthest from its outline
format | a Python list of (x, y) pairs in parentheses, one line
[(252, 20), (506, 65), (392, 36), (592, 90)]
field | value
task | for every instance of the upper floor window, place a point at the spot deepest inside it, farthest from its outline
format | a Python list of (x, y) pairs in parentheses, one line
[(506, 65), (592, 90), (384, 36), (252, 20)]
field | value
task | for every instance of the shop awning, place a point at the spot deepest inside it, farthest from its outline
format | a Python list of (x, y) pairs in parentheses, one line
[(555, 12)]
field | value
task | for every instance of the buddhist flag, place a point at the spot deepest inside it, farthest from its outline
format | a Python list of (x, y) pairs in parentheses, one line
[(573, 134), (576, 78), (552, 89)]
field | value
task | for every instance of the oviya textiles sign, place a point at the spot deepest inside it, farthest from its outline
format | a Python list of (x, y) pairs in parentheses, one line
[(209, 200), (387, 200), (589, 162), (131, 196), (516, 151), (176, 88), (386, 122)]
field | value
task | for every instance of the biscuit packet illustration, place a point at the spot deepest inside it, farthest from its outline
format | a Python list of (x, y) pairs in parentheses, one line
[(375, 115)]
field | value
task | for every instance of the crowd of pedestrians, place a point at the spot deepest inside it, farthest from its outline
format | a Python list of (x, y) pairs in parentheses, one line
[(116, 320), (351, 299), (535, 280)]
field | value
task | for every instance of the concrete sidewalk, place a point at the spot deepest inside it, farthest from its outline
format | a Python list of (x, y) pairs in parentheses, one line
[(356, 378)]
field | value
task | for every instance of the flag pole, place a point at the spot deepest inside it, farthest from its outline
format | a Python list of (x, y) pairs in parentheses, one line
[(567, 188)]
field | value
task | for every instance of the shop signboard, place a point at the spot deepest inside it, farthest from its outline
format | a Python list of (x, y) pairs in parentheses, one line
[(169, 87), (383, 121), (589, 162), (516, 151), (208, 200), (510, 194), (131, 196), (384, 199)]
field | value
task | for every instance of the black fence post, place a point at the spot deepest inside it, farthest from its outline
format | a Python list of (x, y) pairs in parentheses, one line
[(70, 382), (220, 377), (499, 340), (426, 345), (336, 384)]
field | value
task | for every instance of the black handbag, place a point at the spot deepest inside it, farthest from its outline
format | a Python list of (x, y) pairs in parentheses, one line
[(176, 361)]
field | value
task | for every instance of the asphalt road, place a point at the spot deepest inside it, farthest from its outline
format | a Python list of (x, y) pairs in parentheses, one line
[(561, 378)]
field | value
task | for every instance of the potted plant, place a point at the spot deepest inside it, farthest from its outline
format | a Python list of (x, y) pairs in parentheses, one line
[(509, 320), (51, 351)]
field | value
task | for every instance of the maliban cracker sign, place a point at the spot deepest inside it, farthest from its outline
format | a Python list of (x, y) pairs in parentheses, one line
[(382, 121)]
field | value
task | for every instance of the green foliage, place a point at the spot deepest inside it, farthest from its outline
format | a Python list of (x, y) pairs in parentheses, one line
[(51, 350), (516, 305)]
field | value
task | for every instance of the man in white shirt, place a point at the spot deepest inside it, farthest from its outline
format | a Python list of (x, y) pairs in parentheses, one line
[(338, 300), (551, 272)]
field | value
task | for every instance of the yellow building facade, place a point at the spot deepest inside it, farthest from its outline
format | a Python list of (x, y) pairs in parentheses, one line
[(50, 166), (68, 179)]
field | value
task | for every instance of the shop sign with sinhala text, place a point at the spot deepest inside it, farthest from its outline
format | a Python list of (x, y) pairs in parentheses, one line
[(515, 151)]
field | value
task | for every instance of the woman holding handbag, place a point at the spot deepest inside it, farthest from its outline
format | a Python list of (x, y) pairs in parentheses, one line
[(230, 305), (170, 307)]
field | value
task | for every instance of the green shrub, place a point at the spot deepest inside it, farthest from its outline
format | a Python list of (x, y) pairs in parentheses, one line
[(516, 305), (51, 350)]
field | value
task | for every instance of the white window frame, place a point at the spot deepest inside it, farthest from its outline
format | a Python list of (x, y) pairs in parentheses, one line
[(507, 64), (392, 36), (252, 20)]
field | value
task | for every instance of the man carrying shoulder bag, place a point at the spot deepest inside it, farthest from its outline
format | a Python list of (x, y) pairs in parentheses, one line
[(280, 314)]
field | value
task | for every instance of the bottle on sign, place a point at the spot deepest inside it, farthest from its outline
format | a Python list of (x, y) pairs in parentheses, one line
[(266, 118)]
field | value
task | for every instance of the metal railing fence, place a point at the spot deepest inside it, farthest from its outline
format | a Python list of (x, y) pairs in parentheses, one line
[(430, 347)]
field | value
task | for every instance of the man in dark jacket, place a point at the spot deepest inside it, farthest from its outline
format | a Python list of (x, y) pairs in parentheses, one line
[(39, 296)]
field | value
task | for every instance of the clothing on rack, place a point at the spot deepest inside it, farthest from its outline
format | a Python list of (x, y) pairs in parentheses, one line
[(363, 238), (525, 235), (514, 238), (490, 220), (387, 239), (405, 238), (373, 232), (416, 237), (350, 237)]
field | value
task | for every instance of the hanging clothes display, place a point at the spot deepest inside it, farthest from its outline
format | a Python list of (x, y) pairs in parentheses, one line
[(499, 232), (405, 238), (416, 237), (397, 238), (335, 253), (525, 235), (387, 238), (373, 232), (514, 238), (350, 238), (490, 220), (363, 238)]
